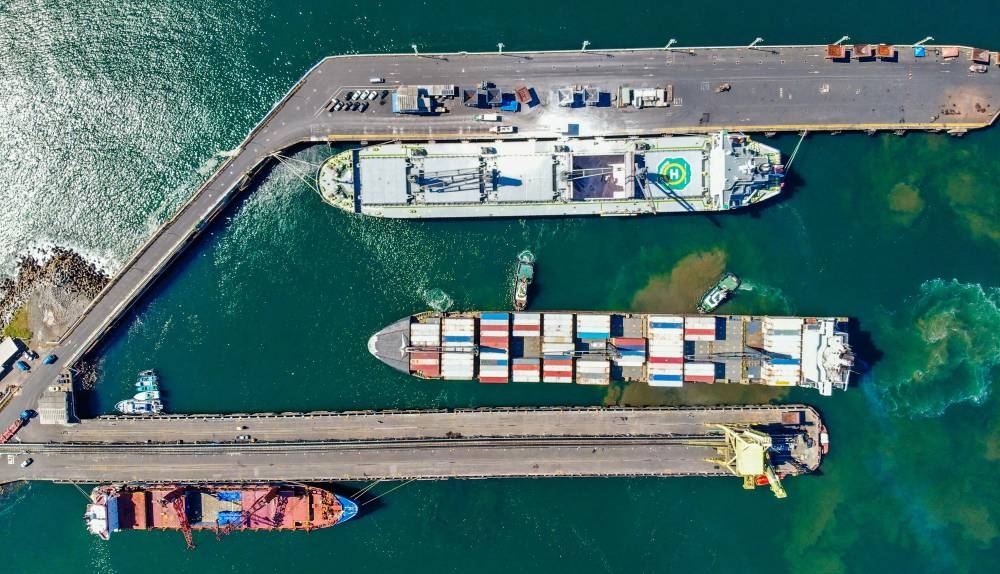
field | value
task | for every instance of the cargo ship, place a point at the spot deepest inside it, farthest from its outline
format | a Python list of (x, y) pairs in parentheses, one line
[(594, 348), (604, 176), (220, 508)]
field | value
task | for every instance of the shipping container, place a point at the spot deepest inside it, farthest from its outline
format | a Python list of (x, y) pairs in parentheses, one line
[(527, 325), (557, 370), (593, 326)]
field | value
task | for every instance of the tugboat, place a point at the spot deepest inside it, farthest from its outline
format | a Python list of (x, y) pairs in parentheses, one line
[(522, 279), (146, 400), (718, 294)]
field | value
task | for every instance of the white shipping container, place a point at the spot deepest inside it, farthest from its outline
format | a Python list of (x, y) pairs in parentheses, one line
[(666, 319), (672, 384), (557, 379), (783, 323), (699, 337), (700, 369), (527, 318), (666, 369), (700, 322)]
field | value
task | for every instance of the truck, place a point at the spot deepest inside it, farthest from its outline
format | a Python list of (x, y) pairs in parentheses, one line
[(23, 366), (503, 129), (22, 420), (488, 118)]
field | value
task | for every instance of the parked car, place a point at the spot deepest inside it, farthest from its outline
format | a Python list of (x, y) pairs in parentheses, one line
[(49, 359), (364, 106), (348, 96), (23, 366), (376, 80), (27, 462), (31, 354), (372, 95)]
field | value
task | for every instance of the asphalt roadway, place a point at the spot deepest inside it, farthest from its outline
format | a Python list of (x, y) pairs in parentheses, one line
[(389, 444)]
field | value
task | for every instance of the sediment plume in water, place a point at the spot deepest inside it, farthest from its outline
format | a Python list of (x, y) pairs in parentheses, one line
[(679, 290), (945, 349)]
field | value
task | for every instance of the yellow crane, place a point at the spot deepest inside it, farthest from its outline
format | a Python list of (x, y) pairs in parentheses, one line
[(745, 455)]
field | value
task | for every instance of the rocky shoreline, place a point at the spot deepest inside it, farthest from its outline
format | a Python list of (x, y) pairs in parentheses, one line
[(53, 290)]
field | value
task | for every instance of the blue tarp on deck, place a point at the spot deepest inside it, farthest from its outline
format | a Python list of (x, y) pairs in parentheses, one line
[(227, 517), (228, 496)]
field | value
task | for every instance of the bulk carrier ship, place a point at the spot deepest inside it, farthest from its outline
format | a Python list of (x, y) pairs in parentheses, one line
[(221, 508), (598, 348), (676, 174)]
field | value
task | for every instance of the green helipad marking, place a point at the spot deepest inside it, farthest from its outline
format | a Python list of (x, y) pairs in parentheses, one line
[(674, 172)]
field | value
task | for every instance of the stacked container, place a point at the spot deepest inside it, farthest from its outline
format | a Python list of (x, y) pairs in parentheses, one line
[(700, 328), (557, 369), (527, 325), (494, 347), (590, 371), (558, 330), (699, 372), (425, 363), (783, 342), (593, 327), (666, 351), (527, 370), (631, 351), (459, 337)]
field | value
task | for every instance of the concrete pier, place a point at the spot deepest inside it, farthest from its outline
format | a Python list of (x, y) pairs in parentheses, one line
[(394, 445)]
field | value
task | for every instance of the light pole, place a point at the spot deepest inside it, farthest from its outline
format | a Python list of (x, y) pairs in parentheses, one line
[(843, 39), (670, 42), (585, 44), (924, 41), (756, 41), (500, 48), (415, 51)]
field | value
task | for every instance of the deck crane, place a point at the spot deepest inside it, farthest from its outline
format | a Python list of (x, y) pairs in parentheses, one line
[(175, 498), (257, 505)]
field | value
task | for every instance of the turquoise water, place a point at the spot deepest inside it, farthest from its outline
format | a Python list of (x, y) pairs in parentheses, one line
[(112, 115)]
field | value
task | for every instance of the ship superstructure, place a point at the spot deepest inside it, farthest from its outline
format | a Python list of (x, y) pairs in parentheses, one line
[(714, 172), (598, 348)]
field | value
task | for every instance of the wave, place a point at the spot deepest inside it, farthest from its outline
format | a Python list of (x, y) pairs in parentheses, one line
[(941, 349)]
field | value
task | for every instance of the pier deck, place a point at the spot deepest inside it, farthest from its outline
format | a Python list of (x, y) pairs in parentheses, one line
[(392, 445)]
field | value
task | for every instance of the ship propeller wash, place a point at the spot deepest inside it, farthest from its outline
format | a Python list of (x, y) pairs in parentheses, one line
[(676, 174), (597, 348)]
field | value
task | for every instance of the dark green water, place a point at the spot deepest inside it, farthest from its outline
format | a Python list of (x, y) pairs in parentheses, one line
[(112, 115)]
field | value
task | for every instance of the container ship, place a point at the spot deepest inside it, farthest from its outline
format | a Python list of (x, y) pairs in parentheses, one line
[(220, 508), (593, 348), (675, 174)]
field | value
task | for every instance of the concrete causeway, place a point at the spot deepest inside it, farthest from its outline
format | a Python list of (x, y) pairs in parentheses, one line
[(396, 445)]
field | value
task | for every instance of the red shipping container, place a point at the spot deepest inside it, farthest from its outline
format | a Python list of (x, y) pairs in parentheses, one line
[(492, 379), (667, 360), (699, 379)]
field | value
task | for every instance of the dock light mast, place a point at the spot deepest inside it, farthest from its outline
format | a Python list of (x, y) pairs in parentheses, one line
[(500, 47), (670, 42), (585, 44), (924, 41), (415, 51), (842, 40), (756, 41)]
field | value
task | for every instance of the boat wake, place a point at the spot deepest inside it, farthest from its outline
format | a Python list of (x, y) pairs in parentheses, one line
[(943, 346), (767, 299)]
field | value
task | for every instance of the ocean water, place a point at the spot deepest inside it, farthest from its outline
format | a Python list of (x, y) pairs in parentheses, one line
[(112, 113)]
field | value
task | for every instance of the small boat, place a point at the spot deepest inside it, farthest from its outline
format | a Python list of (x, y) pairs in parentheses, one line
[(824, 440), (522, 279), (719, 293), (153, 395), (146, 400), (137, 407)]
